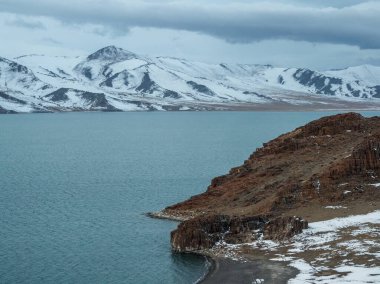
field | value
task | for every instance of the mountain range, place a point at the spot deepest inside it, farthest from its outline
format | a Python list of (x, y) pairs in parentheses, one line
[(113, 79)]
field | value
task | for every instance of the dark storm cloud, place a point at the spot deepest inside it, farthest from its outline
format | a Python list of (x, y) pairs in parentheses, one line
[(246, 21)]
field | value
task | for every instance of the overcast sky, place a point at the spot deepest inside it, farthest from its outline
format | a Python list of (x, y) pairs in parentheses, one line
[(320, 34)]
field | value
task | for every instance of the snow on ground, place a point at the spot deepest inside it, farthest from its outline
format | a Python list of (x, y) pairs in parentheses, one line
[(129, 64), (347, 274), (117, 72), (365, 73), (335, 207), (15, 106), (55, 64), (349, 251), (340, 250)]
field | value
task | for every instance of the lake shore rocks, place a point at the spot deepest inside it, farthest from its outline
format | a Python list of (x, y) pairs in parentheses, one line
[(334, 160)]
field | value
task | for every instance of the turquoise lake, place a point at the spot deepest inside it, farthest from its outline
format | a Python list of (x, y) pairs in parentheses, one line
[(74, 188)]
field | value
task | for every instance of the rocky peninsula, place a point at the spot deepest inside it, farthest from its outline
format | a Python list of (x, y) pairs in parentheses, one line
[(329, 168)]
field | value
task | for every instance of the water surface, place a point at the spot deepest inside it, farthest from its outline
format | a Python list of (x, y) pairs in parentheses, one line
[(74, 187)]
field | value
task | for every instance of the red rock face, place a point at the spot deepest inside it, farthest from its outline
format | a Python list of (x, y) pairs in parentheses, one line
[(318, 163)]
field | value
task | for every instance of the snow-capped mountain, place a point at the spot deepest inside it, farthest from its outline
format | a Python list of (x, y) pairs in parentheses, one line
[(113, 79)]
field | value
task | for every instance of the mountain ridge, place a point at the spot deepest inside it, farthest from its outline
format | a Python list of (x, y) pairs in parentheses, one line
[(130, 81)]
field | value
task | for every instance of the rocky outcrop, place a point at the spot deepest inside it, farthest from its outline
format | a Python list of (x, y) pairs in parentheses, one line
[(203, 233), (367, 157), (364, 159), (330, 160), (283, 228)]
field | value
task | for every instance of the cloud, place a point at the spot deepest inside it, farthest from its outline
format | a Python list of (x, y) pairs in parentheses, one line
[(355, 23), (51, 40), (26, 23), (369, 60)]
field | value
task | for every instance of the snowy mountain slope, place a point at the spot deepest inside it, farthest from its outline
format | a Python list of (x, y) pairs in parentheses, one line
[(366, 74), (20, 88), (114, 79)]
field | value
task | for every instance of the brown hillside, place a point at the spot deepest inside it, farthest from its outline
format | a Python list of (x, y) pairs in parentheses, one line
[(333, 160)]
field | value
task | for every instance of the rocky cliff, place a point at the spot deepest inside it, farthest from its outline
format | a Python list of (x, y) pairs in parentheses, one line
[(202, 233), (333, 160)]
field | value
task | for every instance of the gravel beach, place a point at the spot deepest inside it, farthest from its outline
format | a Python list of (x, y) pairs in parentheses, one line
[(257, 271)]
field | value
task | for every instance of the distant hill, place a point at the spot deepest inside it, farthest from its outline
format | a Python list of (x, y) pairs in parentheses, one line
[(113, 79)]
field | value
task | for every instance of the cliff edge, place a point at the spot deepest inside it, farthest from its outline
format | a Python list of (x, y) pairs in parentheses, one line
[(332, 161)]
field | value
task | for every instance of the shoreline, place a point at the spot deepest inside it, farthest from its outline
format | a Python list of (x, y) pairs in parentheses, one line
[(299, 261), (315, 104), (221, 269), (319, 214), (226, 270), (210, 264), (163, 216), (296, 261)]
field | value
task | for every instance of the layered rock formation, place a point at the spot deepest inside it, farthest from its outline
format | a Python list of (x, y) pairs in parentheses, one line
[(328, 161), (202, 233)]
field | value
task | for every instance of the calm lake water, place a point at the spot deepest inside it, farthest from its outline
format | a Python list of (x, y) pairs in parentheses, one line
[(74, 187)]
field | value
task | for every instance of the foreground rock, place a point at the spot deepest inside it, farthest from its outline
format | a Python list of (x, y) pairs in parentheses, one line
[(203, 233), (331, 161)]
